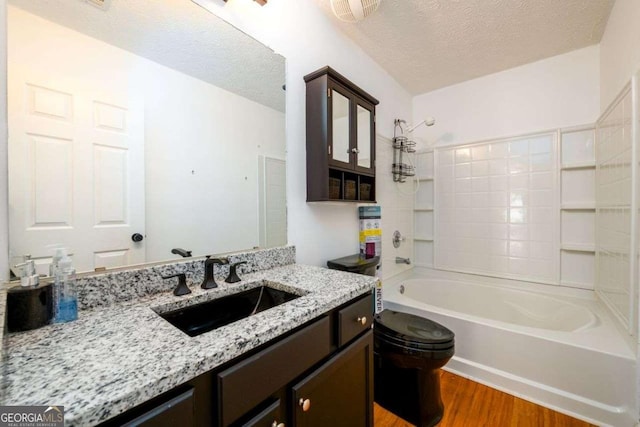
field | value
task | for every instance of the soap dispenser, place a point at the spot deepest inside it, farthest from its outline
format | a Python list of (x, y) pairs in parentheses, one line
[(55, 260), (28, 276), (66, 293), (30, 305)]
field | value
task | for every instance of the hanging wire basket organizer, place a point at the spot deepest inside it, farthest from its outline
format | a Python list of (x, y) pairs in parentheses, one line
[(403, 169), (405, 144)]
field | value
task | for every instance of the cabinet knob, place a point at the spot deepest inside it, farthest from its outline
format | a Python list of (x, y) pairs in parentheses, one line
[(305, 404), (276, 424), (355, 150), (362, 320)]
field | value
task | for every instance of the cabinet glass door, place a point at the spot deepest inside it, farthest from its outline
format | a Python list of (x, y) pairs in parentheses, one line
[(340, 151), (363, 142)]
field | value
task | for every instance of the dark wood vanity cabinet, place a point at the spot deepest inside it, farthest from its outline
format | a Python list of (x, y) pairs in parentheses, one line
[(340, 392), (341, 134), (319, 374)]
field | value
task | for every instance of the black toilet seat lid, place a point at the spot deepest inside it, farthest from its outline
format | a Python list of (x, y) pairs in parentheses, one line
[(412, 328)]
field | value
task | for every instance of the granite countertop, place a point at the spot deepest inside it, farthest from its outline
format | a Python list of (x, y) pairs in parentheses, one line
[(114, 358)]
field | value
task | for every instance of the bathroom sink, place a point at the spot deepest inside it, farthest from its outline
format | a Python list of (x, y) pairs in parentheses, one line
[(200, 318)]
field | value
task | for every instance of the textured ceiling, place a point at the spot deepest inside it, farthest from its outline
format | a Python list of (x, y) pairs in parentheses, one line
[(178, 34), (429, 44)]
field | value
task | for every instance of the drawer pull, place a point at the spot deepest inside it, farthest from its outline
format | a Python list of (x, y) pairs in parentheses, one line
[(362, 320), (305, 404), (276, 424)]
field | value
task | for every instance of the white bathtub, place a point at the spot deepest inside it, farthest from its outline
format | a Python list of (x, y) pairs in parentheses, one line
[(561, 349)]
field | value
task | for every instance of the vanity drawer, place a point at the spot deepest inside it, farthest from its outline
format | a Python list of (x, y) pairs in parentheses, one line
[(247, 383), (355, 319), (178, 410)]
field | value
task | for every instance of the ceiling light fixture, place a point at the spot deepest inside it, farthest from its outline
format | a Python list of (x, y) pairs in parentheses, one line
[(354, 10)]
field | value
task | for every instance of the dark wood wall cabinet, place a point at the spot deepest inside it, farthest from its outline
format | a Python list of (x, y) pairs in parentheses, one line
[(317, 375), (341, 139)]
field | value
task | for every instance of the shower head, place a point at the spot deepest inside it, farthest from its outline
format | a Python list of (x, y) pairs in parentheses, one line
[(429, 121)]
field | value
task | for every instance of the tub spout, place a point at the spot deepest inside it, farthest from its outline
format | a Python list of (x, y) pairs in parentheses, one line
[(403, 260)]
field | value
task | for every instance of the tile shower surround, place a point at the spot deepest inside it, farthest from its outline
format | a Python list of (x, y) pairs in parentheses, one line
[(614, 217), (496, 206)]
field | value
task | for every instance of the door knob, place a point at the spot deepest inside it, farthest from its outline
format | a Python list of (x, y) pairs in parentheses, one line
[(305, 404), (355, 150), (137, 237)]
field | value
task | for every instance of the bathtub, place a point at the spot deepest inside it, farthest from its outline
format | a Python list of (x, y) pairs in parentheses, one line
[(557, 347)]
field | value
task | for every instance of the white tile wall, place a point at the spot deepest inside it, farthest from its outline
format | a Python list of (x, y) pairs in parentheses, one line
[(397, 202), (424, 164), (578, 187), (578, 148), (497, 208), (424, 253), (424, 195), (579, 229), (423, 225), (578, 269), (613, 208)]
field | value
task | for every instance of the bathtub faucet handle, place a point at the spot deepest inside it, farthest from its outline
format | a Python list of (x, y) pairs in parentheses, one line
[(397, 239)]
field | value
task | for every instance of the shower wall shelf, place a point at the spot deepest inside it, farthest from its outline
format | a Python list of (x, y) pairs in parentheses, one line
[(572, 247), (423, 211), (578, 207), (578, 165)]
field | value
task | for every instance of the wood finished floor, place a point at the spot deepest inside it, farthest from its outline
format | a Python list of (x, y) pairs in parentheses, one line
[(469, 404)]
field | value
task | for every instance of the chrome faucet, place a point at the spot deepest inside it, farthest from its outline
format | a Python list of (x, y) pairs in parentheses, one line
[(403, 260)]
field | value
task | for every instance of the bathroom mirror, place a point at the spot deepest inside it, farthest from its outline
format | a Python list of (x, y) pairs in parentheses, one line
[(137, 127)]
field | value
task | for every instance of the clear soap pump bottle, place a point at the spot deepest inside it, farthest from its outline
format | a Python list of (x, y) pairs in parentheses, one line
[(66, 294)]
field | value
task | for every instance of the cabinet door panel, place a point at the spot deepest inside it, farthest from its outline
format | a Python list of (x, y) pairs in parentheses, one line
[(363, 141), (269, 417), (340, 392), (247, 383), (340, 128)]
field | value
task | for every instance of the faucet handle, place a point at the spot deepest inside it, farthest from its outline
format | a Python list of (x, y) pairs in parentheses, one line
[(233, 273), (182, 288)]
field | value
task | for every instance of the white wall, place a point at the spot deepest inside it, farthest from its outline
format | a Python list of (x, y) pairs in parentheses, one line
[(190, 125), (4, 193), (561, 91), (218, 135), (619, 49), (299, 30)]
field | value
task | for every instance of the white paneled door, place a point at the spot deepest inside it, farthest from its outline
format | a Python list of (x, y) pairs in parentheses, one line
[(76, 166)]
